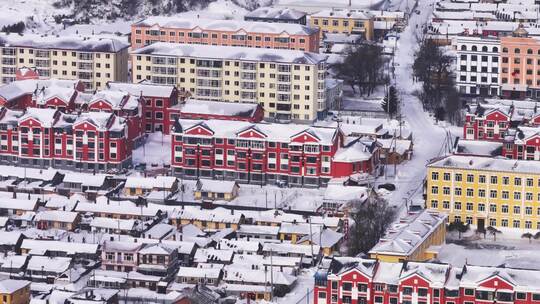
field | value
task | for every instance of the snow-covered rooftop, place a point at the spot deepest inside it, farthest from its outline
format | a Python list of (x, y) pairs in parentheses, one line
[(56, 216), (218, 186), (196, 106), (69, 248), (159, 181), (486, 164), (232, 26), (409, 232), (230, 53), (270, 131), (70, 42), (10, 286), (143, 88), (276, 13)]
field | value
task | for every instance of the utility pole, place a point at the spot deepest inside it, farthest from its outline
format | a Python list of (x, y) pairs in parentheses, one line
[(271, 275), (311, 240)]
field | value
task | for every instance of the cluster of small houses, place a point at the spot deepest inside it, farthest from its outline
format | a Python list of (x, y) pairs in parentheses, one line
[(56, 242)]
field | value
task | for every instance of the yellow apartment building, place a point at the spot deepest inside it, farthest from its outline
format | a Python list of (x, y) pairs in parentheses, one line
[(14, 292), (344, 21), (485, 192), (94, 61), (414, 237), (288, 84)]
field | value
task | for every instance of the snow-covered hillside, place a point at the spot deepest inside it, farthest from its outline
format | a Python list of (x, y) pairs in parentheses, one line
[(98, 16)]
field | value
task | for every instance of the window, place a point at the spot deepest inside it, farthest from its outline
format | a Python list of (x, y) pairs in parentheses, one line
[(493, 180), (458, 177), (446, 176), (435, 175), (482, 179)]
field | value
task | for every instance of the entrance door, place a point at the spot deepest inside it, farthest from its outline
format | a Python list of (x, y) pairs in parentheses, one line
[(481, 223)]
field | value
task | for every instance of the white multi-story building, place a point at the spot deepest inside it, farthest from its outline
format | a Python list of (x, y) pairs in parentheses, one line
[(478, 65)]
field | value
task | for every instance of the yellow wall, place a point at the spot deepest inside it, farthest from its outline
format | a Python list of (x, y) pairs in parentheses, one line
[(527, 201), (334, 24), (306, 91), (95, 71), (21, 296), (436, 238)]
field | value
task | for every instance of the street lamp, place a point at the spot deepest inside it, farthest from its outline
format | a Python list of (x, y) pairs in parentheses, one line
[(198, 159), (249, 164)]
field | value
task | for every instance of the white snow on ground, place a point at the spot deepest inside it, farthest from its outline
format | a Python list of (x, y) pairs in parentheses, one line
[(521, 255), (302, 292), (19, 10), (155, 150), (428, 138), (220, 9), (269, 196)]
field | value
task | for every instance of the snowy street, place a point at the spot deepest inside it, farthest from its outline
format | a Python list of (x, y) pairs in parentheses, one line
[(428, 138)]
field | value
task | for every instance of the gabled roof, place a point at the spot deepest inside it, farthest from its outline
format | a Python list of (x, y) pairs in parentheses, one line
[(273, 131)]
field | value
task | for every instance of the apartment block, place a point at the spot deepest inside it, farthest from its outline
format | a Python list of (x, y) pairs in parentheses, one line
[(224, 32), (288, 84), (344, 21), (94, 61), (485, 191), (520, 74), (358, 281), (478, 63)]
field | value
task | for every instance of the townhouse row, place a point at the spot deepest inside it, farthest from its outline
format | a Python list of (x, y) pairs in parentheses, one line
[(268, 153), (356, 280)]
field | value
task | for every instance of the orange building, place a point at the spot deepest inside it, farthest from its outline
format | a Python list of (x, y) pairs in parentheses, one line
[(520, 66), (224, 32)]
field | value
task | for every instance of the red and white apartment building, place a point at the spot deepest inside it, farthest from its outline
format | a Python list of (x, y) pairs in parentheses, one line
[(263, 152), (48, 137), (224, 32), (362, 281), (161, 103), (515, 125)]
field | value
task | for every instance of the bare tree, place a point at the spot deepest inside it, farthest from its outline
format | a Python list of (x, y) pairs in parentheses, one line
[(362, 68), (370, 221)]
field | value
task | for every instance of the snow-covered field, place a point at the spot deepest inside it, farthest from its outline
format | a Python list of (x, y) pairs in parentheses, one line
[(155, 150)]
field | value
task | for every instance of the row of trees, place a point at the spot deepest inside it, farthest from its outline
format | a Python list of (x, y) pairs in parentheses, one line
[(438, 95), (14, 28)]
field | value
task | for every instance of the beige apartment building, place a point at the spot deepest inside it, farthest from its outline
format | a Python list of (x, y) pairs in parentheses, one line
[(94, 61), (288, 84)]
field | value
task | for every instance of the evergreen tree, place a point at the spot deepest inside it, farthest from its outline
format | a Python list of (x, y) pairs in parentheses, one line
[(390, 102)]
